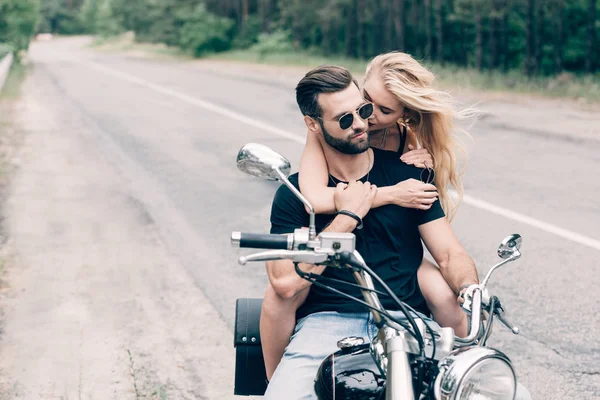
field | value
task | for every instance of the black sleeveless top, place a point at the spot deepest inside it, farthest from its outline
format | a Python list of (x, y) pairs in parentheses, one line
[(402, 130)]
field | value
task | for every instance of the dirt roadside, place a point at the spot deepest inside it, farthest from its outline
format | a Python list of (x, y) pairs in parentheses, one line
[(93, 305)]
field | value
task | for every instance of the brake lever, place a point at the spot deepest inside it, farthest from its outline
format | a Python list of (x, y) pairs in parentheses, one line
[(301, 256), (499, 311)]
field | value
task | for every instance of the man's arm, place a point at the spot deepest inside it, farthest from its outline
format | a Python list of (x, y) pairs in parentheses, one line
[(355, 197), (282, 275), (456, 266)]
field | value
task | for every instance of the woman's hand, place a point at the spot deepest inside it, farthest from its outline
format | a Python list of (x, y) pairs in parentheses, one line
[(356, 197), (417, 157), (412, 193)]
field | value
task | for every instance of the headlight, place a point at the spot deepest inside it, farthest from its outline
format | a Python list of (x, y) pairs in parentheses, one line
[(475, 373)]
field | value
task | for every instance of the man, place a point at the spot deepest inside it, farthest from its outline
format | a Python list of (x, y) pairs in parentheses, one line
[(390, 241)]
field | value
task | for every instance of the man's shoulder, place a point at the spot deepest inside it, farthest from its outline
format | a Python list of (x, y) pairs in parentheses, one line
[(287, 211), (284, 196), (293, 178), (390, 161), (284, 190)]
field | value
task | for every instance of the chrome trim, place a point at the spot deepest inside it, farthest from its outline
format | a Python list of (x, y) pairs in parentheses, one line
[(306, 257), (508, 251), (349, 342), (262, 162), (378, 352), (236, 238), (510, 246), (300, 237), (501, 263), (455, 367), (475, 326), (399, 374), (338, 242), (312, 230)]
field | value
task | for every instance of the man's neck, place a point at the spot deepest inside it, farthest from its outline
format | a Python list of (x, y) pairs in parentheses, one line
[(348, 167)]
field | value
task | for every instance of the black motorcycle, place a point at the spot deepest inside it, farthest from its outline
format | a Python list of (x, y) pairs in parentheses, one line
[(408, 359)]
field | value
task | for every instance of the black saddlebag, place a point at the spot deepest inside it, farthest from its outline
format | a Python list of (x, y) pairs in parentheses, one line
[(250, 375)]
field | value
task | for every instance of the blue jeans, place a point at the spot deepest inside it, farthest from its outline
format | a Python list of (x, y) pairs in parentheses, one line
[(315, 337)]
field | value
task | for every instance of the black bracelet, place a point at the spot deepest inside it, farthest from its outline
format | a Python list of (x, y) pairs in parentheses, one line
[(352, 215)]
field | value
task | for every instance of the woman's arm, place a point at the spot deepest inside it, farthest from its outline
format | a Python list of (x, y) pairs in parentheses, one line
[(410, 193), (313, 181), (314, 178)]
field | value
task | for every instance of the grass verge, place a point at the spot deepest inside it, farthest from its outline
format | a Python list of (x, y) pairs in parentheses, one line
[(126, 43), (12, 85), (583, 88)]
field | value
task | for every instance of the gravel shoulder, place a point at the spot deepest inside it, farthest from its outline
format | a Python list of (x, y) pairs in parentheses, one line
[(94, 306)]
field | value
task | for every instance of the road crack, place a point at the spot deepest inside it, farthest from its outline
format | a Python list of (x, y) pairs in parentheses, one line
[(133, 375)]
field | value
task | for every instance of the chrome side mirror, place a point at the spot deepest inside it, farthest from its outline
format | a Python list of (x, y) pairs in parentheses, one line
[(508, 251), (510, 247), (262, 162)]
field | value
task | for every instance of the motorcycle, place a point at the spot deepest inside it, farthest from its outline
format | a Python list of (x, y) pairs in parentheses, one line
[(408, 359)]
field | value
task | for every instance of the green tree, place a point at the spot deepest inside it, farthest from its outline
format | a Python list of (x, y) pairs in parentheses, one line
[(203, 32), (18, 21), (108, 23), (591, 37), (538, 36), (60, 16), (89, 15)]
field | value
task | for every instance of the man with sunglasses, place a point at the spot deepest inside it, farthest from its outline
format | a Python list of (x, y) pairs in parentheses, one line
[(388, 237)]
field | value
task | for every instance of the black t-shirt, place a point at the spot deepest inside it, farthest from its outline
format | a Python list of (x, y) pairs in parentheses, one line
[(390, 242)]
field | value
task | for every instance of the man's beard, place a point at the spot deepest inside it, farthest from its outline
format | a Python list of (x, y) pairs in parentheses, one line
[(345, 146)]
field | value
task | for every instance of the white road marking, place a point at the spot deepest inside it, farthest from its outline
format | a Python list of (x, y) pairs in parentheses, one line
[(503, 212), (190, 100), (264, 127)]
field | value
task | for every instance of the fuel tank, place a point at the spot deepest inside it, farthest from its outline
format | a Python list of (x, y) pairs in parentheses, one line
[(350, 374)]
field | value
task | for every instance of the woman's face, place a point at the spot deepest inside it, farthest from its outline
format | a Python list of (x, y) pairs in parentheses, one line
[(387, 108)]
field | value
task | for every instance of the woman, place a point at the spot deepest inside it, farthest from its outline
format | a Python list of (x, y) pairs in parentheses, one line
[(408, 113)]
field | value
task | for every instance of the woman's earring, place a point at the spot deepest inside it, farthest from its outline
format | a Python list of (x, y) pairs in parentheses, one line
[(405, 121)]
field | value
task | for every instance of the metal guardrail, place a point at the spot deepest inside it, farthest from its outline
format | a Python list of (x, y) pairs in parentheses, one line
[(5, 64)]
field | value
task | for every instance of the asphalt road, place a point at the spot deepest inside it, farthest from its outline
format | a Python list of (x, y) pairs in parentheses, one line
[(174, 127)]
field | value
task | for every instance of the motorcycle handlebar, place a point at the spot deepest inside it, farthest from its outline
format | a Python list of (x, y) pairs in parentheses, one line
[(262, 241)]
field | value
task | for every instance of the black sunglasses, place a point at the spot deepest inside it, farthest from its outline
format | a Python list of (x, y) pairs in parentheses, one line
[(427, 175), (365, 111)]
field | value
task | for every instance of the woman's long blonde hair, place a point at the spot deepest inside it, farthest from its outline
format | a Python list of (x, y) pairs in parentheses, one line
[(430, 114)]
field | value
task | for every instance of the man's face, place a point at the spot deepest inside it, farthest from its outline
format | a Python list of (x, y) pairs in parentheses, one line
[(355, 139)]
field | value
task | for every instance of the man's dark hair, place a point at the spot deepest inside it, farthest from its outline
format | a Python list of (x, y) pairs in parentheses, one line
[(323, 79)]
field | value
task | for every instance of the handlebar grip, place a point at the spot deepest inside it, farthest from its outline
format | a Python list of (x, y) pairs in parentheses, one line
[(262, 241)]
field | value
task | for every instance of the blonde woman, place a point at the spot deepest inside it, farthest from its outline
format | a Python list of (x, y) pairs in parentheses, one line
[(416, 121)]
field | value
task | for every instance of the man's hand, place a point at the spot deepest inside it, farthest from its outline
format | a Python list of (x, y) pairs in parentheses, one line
[(412, 193), (461, 296), (465, 295), (356, 197)]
